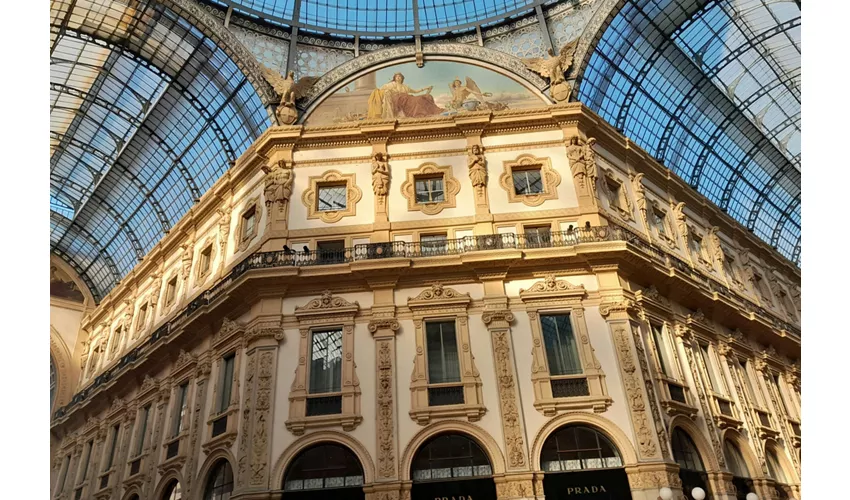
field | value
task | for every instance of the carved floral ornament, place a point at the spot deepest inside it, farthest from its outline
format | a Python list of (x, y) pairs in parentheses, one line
[(228, 330), (553, 286)]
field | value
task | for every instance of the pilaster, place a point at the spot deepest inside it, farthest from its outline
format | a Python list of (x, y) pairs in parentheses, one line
[(721, 486), (384, 330), (516, 487), (647, 479), (198, 425)]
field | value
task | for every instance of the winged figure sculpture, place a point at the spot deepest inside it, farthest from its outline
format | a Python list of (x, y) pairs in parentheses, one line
[(553, 67)]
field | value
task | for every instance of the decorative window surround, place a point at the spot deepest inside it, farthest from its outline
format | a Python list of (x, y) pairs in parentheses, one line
[(245, 239), (319, 314), (549, 177), (451, 187), (228, 340), (183, 372), (701, 257), (618, 199), (137, 463), (559, 296), (114, 417), (200, 273), (332, 177), (667, 236), (439, 303)]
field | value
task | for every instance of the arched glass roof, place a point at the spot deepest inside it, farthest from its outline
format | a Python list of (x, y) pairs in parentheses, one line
[(712, 90), (382, 17), (146, 112)]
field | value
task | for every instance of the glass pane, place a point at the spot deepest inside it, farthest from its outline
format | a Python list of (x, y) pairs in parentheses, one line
[(661, 349), (226, 382), (443, 361), (332, 198), (561, 348), (326, 362), (576, 447)]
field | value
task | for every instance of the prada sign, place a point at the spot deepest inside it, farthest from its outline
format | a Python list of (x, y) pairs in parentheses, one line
[(608, 484), (464, 489)]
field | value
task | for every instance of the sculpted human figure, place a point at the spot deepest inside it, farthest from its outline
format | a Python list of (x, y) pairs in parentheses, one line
[(575, 154), (380, 174), (590, 163), (223, 224), (477, 167), (716, 247), (681, 221), (278, 183)]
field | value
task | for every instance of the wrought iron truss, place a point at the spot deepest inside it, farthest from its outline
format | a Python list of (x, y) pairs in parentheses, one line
[(712, 90), (147, 111)]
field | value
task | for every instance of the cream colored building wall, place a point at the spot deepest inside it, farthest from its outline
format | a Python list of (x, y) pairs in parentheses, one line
[(66, 318), (365, 211)]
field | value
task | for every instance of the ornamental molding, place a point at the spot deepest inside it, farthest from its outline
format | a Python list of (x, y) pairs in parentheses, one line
[(550, 178), (385, 410), (438, 295), (228, 330), (383, 324), (551, 287), (350, 70), (327, 303), (353, 194), (451, 187), (647, 446)]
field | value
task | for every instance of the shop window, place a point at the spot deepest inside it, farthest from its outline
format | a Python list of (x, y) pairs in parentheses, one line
[(172, 491), (577, 447), (450, 456), (323, 467), (220, 482), (691, 468)]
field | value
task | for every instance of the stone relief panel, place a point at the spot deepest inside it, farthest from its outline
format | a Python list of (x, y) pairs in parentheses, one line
[(316, 61), (524, 42), (270, 51)]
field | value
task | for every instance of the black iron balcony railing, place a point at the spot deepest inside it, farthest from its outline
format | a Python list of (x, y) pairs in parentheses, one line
[(405, 250)]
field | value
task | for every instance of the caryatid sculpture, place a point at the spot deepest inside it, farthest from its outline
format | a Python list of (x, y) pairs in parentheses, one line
[(477, 166), (380, 174), (278, 183), (681, 221)]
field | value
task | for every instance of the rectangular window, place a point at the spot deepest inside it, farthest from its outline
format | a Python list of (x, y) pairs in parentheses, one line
[(170, 290), (180, 409), (527, 181), (205, 260), (696, 246), (614, 188), (661, 349), (538, 236), (658, 220), (433, 244), (779, 395), (443, 359), (113, 442), (730, 269), (332, 197), (330, 252), (429, 189), (140, 322), (748, 384), (761, 288), (249, 223), (116, 340), (66, 464), (716, 386), (84, 470), (227, 364), (326, 362), (560, 342), (144, 416)]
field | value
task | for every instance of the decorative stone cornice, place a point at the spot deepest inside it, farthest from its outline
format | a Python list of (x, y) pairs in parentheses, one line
[(494, 317), (613, 308), (325, 303), (383, 324)]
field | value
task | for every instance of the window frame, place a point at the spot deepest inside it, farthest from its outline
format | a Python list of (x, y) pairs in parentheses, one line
[(245, 236), (433, 249), (170, 291), (619, 202), (321, 314), (451, 187), (182, 373), (227, 342), (559, 296), (435, 304), (331, 178), (550, 179)]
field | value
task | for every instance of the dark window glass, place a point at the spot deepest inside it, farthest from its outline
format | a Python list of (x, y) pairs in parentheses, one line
[(450, 456), (226, 382), (249, 221), (332, 198), (113, 442), (433, 244), (577, 447), (661, 349), (220, 482), (324, 466), (172, 492), (86, 459), (180, 409), (685, 451), (443, 362), (326, 362), (429, 189), (527, 181), (538, 236), (734, 460), (144, 415), (561, 349), (773, 468)]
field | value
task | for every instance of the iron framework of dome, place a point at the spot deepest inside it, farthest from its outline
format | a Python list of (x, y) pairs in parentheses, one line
[(149, 108)]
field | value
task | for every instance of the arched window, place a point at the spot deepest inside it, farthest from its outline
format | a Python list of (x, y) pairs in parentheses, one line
[(52, 382), (172, 491), (734, 460), (450, 456), (324, 466), (220, 482), (576, 447), (685, 451), (773, 468)]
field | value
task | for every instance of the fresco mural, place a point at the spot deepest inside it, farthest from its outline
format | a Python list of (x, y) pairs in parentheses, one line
[(62, 286), (407, 91)]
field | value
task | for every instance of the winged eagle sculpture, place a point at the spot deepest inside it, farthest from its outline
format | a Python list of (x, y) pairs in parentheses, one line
[(289, 90), (553, 68)]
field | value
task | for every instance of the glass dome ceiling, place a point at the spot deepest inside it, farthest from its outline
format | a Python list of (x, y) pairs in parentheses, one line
[(712, 90), (382, 17)]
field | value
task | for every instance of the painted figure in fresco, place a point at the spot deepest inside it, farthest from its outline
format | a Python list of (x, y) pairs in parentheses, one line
[(397, 100), (380, 174), (461, 92), (477, 167)]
